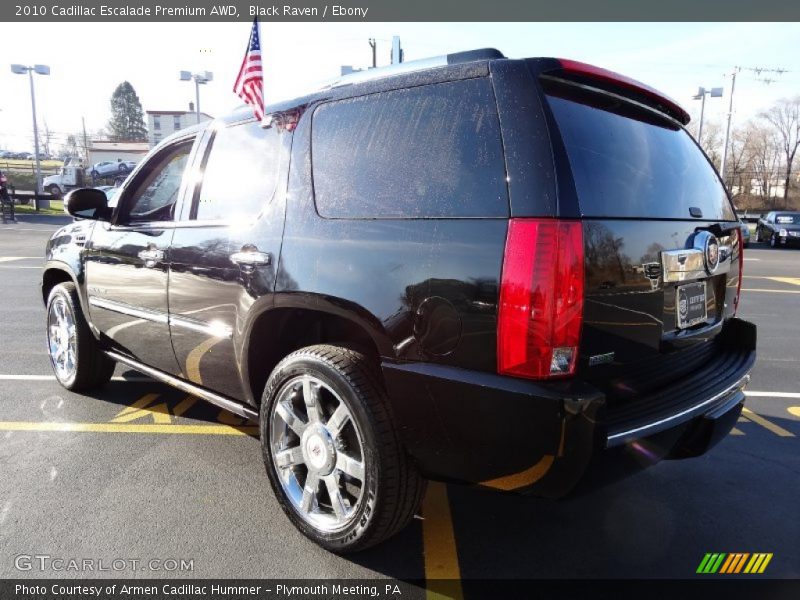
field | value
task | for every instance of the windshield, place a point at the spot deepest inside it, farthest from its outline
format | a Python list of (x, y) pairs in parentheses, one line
[(628, 162)]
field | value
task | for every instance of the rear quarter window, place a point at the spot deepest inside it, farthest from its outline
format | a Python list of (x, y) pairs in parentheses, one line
[(629, 163), (429, 151)]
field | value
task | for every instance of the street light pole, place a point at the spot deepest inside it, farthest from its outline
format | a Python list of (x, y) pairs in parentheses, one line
[(197, 100), (35, 144), (41, 70), (200, 78), (702, 110)]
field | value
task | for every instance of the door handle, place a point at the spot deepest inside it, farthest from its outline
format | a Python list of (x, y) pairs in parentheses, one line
[(151, 257), (250, 258)]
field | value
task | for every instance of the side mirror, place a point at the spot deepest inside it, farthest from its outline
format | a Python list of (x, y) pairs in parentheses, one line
[(87, 203)]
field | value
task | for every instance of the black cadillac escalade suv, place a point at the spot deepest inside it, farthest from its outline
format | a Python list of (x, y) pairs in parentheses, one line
[(512, 273)]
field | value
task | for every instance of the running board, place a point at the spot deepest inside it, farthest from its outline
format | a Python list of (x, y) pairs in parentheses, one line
[(230, 405)]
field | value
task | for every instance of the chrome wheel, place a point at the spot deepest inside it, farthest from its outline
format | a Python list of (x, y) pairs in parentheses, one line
[(318, 453), (62, 338)]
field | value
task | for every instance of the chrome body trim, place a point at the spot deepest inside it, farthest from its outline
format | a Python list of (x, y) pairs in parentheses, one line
[(127, 309), (227, 403), (213, 329), (621, 437)]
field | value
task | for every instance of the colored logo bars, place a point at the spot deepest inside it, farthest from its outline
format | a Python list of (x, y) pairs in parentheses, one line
[(736, 562)]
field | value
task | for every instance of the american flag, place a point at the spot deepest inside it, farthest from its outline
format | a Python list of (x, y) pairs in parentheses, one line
[(249, 84)]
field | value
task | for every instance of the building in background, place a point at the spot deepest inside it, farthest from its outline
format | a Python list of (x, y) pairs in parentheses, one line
[(103, 150), (162, 123)]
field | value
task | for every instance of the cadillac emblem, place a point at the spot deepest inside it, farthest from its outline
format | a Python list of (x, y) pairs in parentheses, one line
[(712, 253)]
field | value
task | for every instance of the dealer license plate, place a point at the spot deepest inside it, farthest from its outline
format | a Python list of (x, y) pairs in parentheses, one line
[(691, 304)]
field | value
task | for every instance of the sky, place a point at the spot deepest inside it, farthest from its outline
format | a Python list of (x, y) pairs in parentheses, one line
[(88, 60)]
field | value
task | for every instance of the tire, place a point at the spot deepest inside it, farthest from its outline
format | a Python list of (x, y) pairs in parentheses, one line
[(54, 191), (390, 489), (85, 366), (773, 240), (758, 234), (95, 175)]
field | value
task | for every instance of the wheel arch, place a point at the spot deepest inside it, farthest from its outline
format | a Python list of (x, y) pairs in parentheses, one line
[(54, 274), (279, 331)]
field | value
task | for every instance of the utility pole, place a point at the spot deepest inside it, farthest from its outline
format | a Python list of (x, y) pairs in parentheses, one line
[(85, 144), (728, 126), (758, 71), (397, 50), (374, 46)]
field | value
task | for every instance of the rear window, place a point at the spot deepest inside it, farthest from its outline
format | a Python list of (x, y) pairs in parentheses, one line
[(630, 163), (429, 151)]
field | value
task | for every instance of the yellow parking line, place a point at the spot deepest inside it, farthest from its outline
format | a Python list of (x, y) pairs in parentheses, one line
[(442, 572), (790, 280), (794, 411), (773, 291), (126, 428), (776, 429)]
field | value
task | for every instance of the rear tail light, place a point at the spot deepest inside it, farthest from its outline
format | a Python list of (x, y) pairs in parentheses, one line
[(541, 299), (740, 244)]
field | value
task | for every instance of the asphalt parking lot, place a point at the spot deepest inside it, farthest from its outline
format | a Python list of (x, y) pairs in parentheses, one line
[(139, 470)]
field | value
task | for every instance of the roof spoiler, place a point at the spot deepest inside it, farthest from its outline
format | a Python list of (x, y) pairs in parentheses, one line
[(611, 81)]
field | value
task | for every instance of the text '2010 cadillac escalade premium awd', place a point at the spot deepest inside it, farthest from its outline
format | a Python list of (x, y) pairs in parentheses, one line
[(512, 273)]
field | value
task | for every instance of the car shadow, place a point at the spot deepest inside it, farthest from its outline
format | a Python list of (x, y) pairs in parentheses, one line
[(656, 523), (135, 391)]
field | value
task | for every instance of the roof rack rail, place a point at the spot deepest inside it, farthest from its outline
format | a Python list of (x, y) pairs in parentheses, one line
[(415, 65)]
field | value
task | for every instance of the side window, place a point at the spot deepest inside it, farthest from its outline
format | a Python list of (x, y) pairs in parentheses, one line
[(156, 191), (429, 151), (240, 174)]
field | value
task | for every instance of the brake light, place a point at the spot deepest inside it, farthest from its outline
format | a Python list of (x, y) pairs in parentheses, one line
[(541, 299), (610, 77), (740, 244)]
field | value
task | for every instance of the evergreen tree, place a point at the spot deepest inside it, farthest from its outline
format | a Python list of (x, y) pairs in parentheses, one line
[(127, 117)]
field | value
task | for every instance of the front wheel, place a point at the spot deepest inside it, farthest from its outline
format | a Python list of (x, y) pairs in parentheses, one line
[(773, 240), (54, 191), (332, 452), (78, 362)]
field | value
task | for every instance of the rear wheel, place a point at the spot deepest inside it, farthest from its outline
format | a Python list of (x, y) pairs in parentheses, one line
[(77, 360), (332, 453)]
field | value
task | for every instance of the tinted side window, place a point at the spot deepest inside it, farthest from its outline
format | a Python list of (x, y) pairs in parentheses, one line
[(240, 174), (156, 191), (431, 151)]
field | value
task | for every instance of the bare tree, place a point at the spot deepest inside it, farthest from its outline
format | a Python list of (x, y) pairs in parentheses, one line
[(739, 157), (784, 117), (711, 142), (764, 160)]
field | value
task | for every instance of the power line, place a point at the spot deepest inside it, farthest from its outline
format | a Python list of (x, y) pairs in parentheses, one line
[(736, 70)]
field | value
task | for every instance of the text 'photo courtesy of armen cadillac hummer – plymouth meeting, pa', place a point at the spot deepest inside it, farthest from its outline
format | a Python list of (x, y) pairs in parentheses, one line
[(380, 300)]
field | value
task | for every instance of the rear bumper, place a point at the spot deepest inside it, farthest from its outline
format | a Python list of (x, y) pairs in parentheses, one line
[(514, 434)]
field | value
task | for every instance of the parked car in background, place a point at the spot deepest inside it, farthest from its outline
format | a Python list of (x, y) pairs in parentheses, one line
[(478, 294), (107, 169), (779, 228), (745, 232)]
